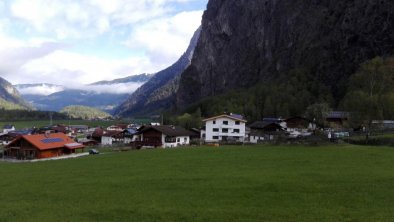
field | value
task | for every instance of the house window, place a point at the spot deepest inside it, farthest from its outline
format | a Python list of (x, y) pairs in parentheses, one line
[(225, 122), (215, 137), (214, 122), (237, 122), (236, 130), (185, 139), (215, 130), (178, 140), (170, 139), (224, 130)]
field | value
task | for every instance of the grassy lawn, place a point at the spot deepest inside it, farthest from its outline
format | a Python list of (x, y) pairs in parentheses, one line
[(258, 183), (91, 123)]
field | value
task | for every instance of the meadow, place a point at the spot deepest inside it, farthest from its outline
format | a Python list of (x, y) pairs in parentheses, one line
[(230, 183), (90, 123)]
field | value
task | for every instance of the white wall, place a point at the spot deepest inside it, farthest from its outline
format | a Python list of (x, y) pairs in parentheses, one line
[(183, 141), (211, 136), (106, 140)]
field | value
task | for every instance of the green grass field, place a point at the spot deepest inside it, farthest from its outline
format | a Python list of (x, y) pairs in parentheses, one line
[(250, 183), (41, 123), (90, 123)]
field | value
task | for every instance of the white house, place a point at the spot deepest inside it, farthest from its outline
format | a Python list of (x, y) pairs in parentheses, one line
[(224, 128), (8, 128)]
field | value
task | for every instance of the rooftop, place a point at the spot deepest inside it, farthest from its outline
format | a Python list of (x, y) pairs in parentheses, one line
[(49, 141)]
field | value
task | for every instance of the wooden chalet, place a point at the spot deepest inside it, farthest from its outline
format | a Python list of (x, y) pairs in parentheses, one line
[(162, 136), (268, 129), (40, 146), (336, 119), (298, 122), (107, 137)]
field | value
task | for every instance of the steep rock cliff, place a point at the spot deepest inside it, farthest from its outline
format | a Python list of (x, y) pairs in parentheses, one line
[(243, 42)]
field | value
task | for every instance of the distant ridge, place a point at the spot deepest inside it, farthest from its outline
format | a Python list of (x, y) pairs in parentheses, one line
[(159, 92), (11, 99), (100, 95), (141, 78)]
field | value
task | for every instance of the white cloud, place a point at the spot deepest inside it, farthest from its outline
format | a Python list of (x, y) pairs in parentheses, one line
[(12, 59), (43, 89), (82, 18), (47, 89), (119, 88), (166, 39), (72, 69), (43, 32)]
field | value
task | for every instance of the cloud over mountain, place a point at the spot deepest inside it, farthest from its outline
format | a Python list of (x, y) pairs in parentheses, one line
[(83, 41)]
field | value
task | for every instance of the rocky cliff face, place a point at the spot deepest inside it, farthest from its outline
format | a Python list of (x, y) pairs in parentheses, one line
[(10, 94), (246, 41), (159, 92)]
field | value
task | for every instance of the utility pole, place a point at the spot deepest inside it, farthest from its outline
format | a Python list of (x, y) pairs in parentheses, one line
[(50, 118)]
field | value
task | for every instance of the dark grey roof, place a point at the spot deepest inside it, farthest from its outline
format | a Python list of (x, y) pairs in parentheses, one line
[(337, 115), (272, 120), (168, 130), (131, 131), (237, 116), (263, 124), (8, 126)]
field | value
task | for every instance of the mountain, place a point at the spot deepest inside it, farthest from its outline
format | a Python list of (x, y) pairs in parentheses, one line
[(10, 97), (159, 92), (103, 95), (59, 100), (84, 112), (247, 42), (141, 78)]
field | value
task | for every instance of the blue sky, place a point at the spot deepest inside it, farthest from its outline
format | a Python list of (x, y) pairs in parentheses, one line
[(75, 42)]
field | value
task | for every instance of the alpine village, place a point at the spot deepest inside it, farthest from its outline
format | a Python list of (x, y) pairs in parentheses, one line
[(276, 111)]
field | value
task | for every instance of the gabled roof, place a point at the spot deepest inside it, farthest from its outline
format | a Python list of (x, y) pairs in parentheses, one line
[(264, 125), (8, 126), (49, 141), (233, 117), (111, 133), (168, 130)]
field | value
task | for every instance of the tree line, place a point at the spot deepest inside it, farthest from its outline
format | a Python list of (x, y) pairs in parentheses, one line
[(368, 96)]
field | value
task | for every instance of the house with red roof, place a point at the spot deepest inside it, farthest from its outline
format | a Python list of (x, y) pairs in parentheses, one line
[(40, 146)]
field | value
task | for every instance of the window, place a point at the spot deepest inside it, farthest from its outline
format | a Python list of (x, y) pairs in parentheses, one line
[(224, 130), (237, 122), (236, 130), (215, 137), (214, 122), (215, 129), (170, 139), (185, 139), (225, 122), (178, 140)]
